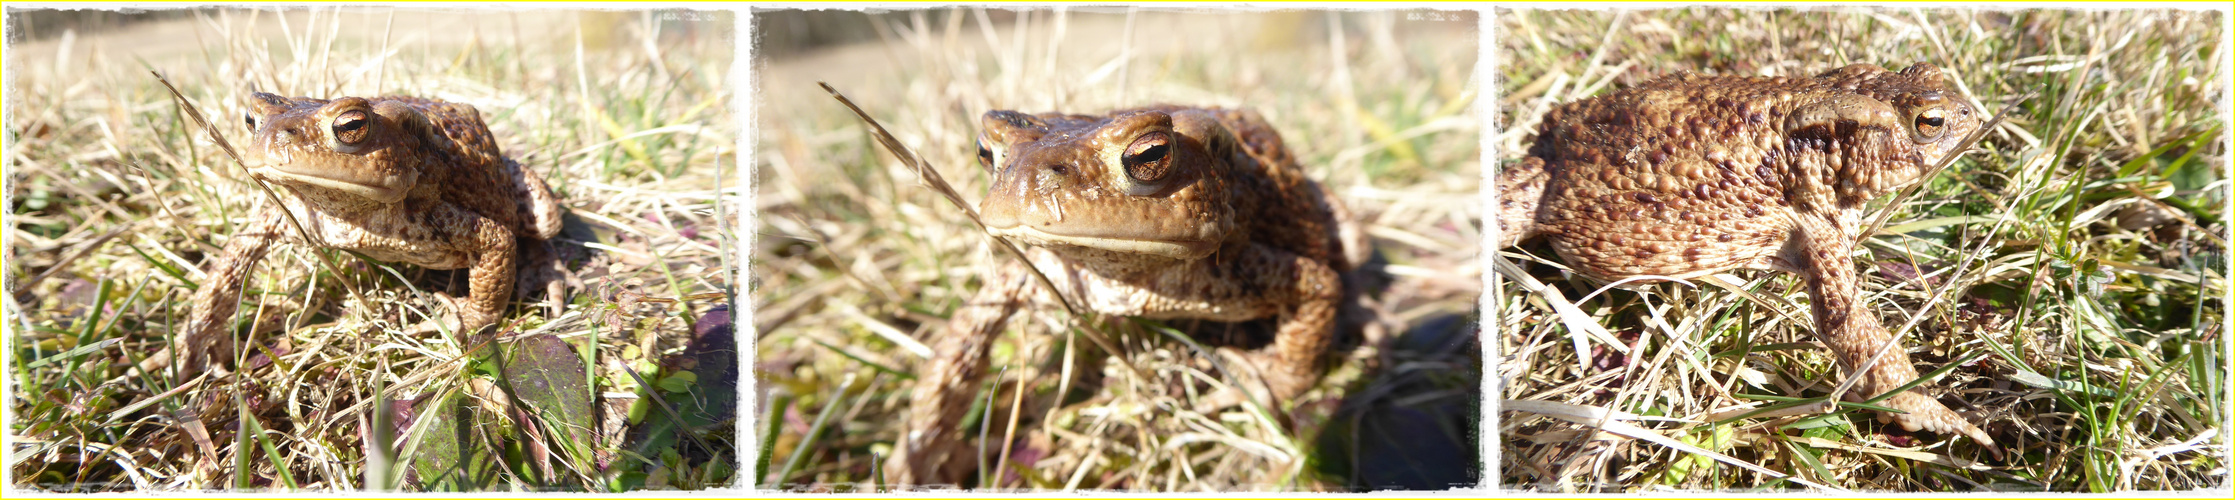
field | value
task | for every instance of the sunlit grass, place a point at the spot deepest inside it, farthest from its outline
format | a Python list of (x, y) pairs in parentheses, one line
[(853, 253), (120, 199), (2080, 254)]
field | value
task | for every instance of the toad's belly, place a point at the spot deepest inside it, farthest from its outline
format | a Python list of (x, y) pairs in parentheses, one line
[(1176, 292), (390, 236), (1616, 240), (427, 258)]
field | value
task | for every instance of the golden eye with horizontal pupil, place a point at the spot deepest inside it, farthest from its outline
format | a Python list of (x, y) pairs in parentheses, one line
[(1930, 123), (349, 127), (1149, 158)]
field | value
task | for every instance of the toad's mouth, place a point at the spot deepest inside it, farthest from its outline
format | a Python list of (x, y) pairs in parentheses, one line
[(1181, 249), (380, 188)]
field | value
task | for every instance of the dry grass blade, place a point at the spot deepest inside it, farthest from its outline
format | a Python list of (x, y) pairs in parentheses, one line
[(1932, 458), (1582, 327), (196, 113), (931, 177)]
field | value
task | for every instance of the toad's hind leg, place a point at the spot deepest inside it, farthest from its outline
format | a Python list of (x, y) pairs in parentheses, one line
[(1520, 191), (1820, 250), (543, 275), (538, 207)]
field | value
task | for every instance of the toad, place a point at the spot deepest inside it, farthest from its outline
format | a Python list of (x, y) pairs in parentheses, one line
[(1689, 175), (397, 179), (1163, 212)]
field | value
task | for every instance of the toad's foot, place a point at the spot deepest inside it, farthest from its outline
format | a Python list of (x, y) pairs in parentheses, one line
[(1285, 376), (454, 316), (1925, 413), (1256, 375)]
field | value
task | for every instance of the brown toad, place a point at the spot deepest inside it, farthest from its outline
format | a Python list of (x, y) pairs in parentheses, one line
[(1691, 175), (1161, 212), (398, 179)]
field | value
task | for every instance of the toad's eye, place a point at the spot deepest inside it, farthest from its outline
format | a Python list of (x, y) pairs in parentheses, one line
[(985, 155), (1149, 158), (349, 127), (250, 118), (1931, 123)]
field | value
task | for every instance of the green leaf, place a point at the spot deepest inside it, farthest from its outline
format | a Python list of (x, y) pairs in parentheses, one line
[(546, 374), (679, 383), (447, 457)]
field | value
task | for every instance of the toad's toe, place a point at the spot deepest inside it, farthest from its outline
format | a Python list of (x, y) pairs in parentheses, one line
[(1927, 414)]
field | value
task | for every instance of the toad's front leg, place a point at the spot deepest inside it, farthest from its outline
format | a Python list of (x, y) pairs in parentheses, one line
[(932, 447), (208, 333), (437, 235), (495, 260), (1306, 293), (1820, 251), (445, 236)]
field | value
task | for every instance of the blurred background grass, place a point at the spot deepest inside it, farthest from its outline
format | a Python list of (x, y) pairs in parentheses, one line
[(852, 252), (2095, 220), (116, 200)]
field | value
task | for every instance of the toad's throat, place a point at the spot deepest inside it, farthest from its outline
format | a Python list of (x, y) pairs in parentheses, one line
[(1182, 249), (383, 189)]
